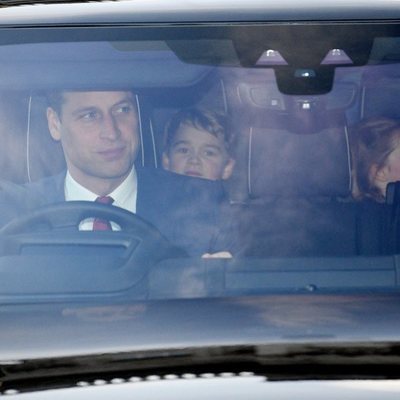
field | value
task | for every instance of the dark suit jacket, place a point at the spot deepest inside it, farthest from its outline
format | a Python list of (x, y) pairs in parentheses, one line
[(185, 210)]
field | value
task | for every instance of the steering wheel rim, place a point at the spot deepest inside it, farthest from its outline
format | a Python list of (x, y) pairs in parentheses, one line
[(70, 214), (66, 217)]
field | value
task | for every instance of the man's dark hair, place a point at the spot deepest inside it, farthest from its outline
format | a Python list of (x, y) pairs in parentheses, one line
[(55, 100)]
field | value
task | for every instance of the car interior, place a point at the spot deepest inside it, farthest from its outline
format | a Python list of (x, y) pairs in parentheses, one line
[(292, 108)]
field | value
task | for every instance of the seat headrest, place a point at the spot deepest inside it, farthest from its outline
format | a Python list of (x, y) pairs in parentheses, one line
[(380, 91), (282, 162)]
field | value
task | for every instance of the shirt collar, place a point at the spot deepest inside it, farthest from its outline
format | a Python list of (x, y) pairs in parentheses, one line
[(124, 195)]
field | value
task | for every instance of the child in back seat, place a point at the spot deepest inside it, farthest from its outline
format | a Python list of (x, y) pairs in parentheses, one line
[(198, 144), (377, 153)]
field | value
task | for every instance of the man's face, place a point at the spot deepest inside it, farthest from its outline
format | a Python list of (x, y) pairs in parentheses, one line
[(99, 135), (198, 153)]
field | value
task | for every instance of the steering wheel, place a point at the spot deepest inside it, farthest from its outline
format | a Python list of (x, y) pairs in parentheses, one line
[(59, 225)]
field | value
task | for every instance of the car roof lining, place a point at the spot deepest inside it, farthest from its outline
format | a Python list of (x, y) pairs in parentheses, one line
[(158, 57)]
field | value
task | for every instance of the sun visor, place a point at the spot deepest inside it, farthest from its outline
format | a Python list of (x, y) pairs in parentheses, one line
[(95, 65)]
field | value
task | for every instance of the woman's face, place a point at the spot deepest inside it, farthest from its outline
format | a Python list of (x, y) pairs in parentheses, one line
[(390, 172), (393, 165)]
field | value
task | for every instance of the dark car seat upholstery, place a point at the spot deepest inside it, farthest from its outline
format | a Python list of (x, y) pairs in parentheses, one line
[(291, 188), (380, 86), (298, 184), (28, 152), (285, 161), (45, 155)]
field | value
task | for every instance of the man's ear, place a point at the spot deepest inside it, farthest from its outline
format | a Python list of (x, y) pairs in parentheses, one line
[(165, 161), (228, 169), (54, 124)]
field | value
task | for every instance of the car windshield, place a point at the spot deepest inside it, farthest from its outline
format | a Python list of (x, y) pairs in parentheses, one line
[(240, 159), (200, 199)]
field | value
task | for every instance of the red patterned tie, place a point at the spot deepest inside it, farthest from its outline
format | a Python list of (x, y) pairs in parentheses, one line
[(101, 224)]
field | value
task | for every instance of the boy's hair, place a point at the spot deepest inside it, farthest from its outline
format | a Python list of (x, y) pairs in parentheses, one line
[(375, 140), (209, 121)]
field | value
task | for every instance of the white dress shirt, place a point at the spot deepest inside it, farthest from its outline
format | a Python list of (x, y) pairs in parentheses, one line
[(125, 196)]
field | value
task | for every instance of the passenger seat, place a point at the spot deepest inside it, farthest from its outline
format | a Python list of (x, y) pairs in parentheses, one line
[(291, 189)]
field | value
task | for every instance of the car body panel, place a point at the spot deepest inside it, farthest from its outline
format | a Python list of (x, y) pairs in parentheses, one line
[(59, 339), (219, 387), (156, 11), (104, 327)]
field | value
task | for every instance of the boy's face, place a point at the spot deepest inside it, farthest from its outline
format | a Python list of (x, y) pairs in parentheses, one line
[(198, 153)]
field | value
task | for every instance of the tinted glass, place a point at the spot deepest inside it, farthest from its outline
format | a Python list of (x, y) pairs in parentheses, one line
[(246, 141)]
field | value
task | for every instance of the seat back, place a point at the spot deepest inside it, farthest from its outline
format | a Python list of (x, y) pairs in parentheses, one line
[(290, 146), (285, 161), (293, 177), (380, 87)]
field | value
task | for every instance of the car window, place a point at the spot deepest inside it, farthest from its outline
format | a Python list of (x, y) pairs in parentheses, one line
[(200, 199), (229, 140)]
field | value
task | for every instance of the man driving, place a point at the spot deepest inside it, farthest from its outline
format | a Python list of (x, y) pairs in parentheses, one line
[(99, 134)]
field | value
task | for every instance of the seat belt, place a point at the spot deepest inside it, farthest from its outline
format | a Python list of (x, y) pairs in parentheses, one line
[(393, 217)]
